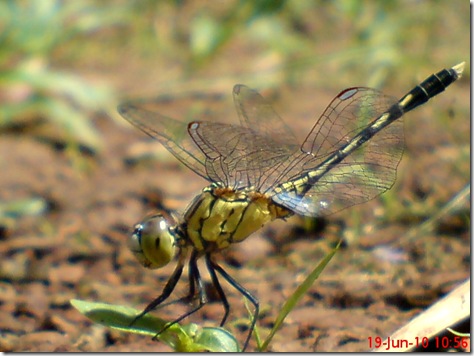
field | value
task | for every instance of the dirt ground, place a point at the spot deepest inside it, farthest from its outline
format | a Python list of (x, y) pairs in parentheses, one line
[(387, 271)]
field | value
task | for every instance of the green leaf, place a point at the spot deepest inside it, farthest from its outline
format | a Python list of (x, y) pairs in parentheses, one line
[(189, 338)]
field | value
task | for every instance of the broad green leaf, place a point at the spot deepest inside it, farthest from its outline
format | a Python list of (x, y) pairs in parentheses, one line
[(189, 338)]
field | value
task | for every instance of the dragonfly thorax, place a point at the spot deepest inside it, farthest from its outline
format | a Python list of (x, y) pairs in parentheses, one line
[(220, 216)]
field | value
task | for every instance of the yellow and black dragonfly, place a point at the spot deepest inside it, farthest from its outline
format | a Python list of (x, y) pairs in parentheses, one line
[(258, 172)]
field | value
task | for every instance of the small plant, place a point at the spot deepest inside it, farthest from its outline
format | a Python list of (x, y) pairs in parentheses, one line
[(189, 338)]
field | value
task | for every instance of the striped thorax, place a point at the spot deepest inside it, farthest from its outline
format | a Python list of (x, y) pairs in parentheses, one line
[(220, 216)]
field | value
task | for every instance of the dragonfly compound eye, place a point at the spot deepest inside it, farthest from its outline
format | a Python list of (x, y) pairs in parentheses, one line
[(152, 243)]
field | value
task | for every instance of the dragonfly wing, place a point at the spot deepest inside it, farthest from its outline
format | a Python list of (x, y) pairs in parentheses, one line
[(170, 133), (236, 155), (257, 114), (365, 173)]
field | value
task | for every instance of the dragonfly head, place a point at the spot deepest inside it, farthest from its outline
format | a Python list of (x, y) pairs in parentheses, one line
[(153, 242)]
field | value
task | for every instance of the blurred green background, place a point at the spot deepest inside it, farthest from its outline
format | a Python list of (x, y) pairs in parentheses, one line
[(63, 61)]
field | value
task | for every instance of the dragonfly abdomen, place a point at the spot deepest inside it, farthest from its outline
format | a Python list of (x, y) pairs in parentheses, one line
[(430, 87)]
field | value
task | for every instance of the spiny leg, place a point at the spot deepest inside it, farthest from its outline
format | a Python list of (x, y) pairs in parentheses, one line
[(252, 299), (170, 286), (194, 279), (167, 290), (217, 285)]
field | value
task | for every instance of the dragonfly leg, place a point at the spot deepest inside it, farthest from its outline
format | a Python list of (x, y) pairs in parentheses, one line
[(215, 281), (169, 287), (213, 266), (194, 279)]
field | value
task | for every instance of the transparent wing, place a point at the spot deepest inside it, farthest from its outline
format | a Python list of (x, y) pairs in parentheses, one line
[(236, 155), (367, 172), (170, 133), (256, 113), (248, 155), (277, 141)]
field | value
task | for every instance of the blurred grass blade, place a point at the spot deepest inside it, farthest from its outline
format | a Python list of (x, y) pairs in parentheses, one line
[(296, 296), (189, 338), (454, 332), (458, 202), (18, 208), (10, 212), (75, 124)]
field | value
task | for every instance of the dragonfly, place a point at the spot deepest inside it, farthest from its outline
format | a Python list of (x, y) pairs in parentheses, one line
[(258, 172)]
